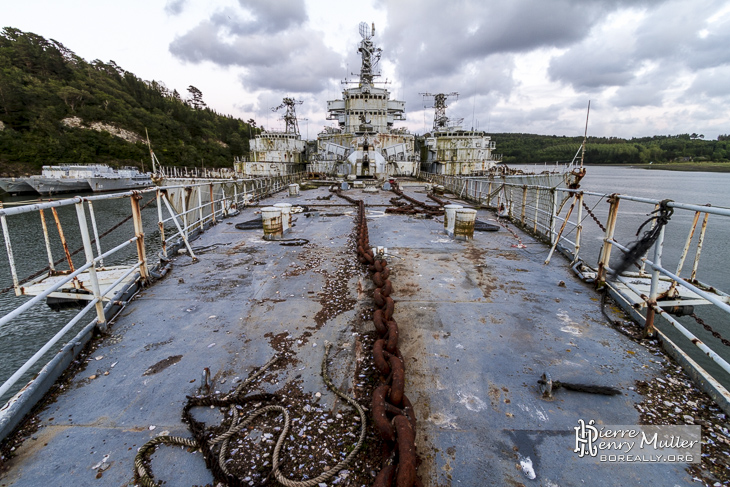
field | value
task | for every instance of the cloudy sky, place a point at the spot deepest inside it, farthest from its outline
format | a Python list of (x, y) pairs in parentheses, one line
[(648, 67)]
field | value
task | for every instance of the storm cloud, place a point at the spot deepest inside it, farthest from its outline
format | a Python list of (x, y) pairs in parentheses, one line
[(269, 40), (524, 65)]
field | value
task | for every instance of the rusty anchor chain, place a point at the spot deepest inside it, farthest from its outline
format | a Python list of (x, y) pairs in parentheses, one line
[(595, 218), (438, 200), (393, 414), (430, 210)]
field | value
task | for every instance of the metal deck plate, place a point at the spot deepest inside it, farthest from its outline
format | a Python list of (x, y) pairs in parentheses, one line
[(480, 321)]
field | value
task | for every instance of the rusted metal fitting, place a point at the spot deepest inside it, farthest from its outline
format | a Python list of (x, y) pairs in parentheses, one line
[(378, 298), (546, 385), (379, 323), (406, 475), (398, 380), (385, 476), (380, 418), (378, 279), (387, 289), (389, 308), (392, 344), (381, 362)]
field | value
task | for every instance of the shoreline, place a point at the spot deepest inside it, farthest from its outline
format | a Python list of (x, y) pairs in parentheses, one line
[(676, 166)]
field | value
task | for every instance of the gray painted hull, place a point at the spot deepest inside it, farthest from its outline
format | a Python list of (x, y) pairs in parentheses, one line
[(16, 186), (99, 185), (48, 186)]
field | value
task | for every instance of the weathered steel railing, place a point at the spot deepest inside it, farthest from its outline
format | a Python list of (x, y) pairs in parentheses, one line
[(557, 216), (186, 206)]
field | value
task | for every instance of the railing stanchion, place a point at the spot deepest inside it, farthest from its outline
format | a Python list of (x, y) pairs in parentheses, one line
[(161, 223), (89, 253), (653, 291), (96, 232), (605, 255), (139, 233)]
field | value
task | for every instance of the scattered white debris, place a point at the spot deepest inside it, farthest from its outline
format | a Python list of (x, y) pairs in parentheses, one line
[(98, 357), (211, 345), (152, 427), (526, 464)]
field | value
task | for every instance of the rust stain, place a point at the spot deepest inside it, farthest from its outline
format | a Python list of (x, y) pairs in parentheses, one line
[(163, 364)]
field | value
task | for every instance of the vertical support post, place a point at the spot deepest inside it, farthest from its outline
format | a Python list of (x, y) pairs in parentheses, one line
[(579, 227), (693, 276), (510, 203), (687, 243), (654, 290), (489, 194), (47, 238), (96, 233), (89, 253), (180, 230), (643, 257), (212, 204), (9, 249), (553, 215), (537, 207), (524, 204), (161, 223), (184, 198), (201, 216), (560, 233), (139, 233), (605, 254), (63, 239)]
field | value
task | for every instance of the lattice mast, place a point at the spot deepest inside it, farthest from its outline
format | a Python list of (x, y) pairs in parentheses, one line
[(290, 116), (440, 120), (369, 53)]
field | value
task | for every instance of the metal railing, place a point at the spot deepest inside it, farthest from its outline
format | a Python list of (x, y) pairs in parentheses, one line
[(561, 217), (184, 209)]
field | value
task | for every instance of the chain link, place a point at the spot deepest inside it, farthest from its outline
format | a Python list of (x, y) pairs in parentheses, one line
[(707, 327), (393, 414), (595, 219)]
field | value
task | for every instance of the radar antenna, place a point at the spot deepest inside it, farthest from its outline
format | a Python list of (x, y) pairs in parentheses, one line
[(365, 30), (290, 117), (440, 120), (370, 55)]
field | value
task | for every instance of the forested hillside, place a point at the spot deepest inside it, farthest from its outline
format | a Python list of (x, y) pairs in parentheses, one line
[(529, 148), (57, 108)]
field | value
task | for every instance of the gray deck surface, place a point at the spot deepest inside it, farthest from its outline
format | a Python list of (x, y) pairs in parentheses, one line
[(479, 322)]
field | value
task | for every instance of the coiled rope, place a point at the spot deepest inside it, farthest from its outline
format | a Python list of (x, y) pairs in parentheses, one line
[(219, 467)]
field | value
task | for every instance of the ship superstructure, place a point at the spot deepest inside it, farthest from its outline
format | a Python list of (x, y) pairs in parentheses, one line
[(276, 153), (365, 142), (452, 150)]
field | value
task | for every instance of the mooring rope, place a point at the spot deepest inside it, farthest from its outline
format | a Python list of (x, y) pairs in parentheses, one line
[(145, 477)]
